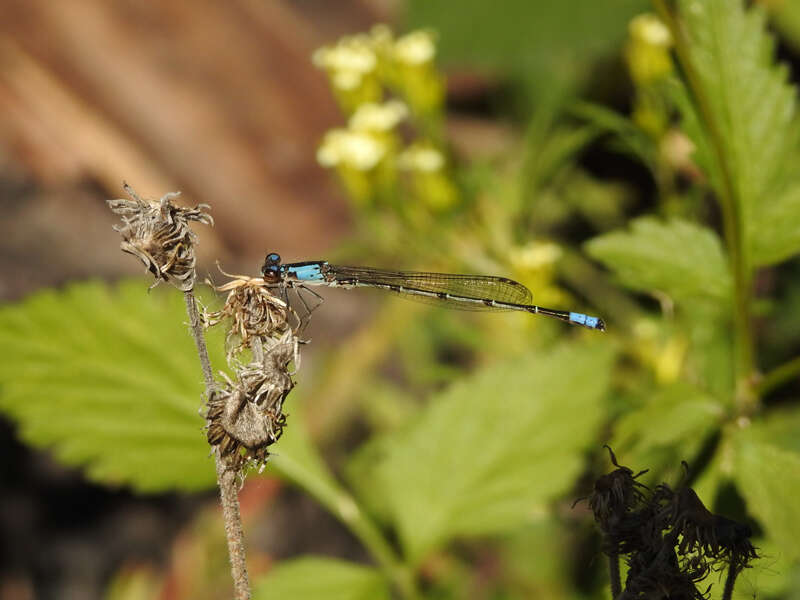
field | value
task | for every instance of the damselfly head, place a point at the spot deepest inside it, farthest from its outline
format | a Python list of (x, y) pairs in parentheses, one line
[(272, 267)]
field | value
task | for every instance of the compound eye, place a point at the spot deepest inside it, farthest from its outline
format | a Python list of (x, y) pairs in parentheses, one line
[(272, 266)]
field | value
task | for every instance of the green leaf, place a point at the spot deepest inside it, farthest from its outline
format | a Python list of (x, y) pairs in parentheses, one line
[(676, 257), (671, 425), (318, 578), (110, 380), (543, 44), (711, 344), (752, 139), (766, 467), (775, 235), (786, 17), (489, 452), (671, 416)]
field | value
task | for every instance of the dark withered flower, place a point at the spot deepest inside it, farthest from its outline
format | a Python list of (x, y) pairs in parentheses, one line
[(659, 574), (700, 529), (254, 312), (615, 494), (245, 416), (158, 233)]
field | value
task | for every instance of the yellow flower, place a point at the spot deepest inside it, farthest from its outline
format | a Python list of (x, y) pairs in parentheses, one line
[(649, 29), (647, 52), (421, 157), (355, 149), (415, 48), (348, 61), (372, 116)]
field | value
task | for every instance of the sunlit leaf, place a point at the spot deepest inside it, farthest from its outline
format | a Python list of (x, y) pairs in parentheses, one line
[(675, 257), (109, 379), (766, 467), (786, 17), (775, 235), (318, 578), (492, 450), (743, 121)]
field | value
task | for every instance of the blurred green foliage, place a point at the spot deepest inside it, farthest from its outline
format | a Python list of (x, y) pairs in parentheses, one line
[(654, 184)]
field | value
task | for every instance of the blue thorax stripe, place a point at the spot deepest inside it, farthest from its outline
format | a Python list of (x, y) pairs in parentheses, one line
[(307, 272)]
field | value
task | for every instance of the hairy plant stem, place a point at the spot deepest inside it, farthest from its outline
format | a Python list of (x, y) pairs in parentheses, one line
[(730, 203), (613, 574), (226, 478)]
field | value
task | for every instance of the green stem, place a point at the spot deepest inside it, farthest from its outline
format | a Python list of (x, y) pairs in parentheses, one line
[(344, 507), (778, 376), (731, 215), (366, 531)]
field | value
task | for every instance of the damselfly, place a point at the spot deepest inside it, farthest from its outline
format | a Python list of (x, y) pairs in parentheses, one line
[(466, 292)]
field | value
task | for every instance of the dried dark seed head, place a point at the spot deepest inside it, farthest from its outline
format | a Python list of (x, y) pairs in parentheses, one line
[(158, 234), (658, 573), (716, 536), (615, 494)]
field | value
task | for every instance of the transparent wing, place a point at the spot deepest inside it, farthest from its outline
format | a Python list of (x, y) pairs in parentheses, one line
[(476, 287)]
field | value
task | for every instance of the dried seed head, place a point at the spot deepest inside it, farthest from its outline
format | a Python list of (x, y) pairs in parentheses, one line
[(615, 494), (659, 573), (701, 530), (245, 416), (254, 312), (158, 234)]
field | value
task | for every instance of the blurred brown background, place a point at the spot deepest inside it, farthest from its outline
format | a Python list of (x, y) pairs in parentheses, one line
[(216, 99)]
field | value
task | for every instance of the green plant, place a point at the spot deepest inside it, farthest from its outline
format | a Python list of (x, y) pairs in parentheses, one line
[(467, 494)]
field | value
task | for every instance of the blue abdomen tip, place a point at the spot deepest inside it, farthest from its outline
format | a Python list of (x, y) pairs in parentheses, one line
[(587, 321)]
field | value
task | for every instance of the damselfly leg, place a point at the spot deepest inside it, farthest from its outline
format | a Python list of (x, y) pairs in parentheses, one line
[(307, 304)]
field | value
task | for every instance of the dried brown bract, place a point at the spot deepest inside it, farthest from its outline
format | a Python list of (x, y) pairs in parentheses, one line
[(158, 234), (245, 416), (253, 310)]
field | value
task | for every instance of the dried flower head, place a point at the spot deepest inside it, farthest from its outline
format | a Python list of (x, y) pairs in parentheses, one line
[(615, 494), (659, 573), (158, 234), (672, 541), (245, 416), (253, 310), (714, 535)]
